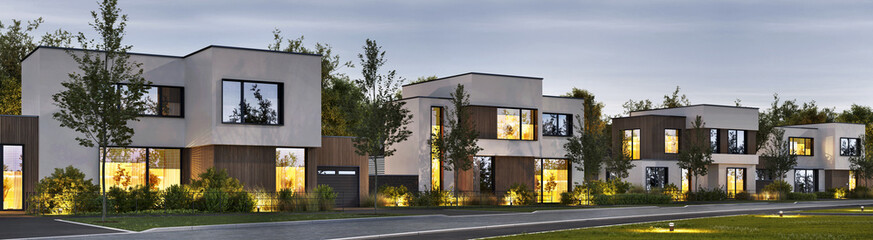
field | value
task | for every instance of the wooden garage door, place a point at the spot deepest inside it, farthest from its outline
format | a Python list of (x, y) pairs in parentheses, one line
[(344, 181)]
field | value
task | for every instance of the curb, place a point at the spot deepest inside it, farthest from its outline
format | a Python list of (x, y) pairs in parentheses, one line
[(281, 223)]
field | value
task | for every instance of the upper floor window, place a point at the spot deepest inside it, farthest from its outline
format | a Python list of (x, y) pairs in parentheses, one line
[(161, 101), (713, 140), (671, 140), (631, 144), (251, 102), (801, 146), (516, 124), (737, 141), (850, 147), (557, 124)]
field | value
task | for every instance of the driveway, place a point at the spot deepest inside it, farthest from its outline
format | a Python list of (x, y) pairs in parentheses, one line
[(12, 226)]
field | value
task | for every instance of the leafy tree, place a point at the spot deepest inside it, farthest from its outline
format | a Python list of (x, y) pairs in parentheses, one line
[(697, 156), (777, 154), (15, 43), (674, 100), (459, 145), (383, 118), (91, 104), (790, 112), (862, 165), (619, 164), (670, 101), (859, 114), (590, 147), (633, 106), (340, 96), (263, 113), (424, 79)]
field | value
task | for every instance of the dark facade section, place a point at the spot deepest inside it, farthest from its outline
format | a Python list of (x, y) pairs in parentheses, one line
[(651, 133), (337, 152), (486, 121), (512, 170), (409, 181), (24, 131)]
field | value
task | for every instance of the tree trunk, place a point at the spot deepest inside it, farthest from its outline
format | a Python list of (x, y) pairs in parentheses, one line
[(376, 183), (103, 180), (457, 184)]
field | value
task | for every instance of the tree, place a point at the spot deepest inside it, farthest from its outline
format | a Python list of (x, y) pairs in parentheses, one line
[(860, 114), (674, 100), (91, 104), (790, 112), (15, 43), (670, 101), (697, 156), (777, 154), (459, 145), (424, 79), (620, 161), (590, 147), (383, 118), (862, 165), (633, 106), (340, 97)]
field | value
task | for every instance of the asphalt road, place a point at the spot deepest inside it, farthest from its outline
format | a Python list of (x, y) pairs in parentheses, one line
[(21, 227), (471, 226)]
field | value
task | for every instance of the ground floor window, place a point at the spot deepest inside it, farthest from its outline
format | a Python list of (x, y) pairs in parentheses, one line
[(291, 169), (853, 182), (611, 175), (157, 168), (484, 167), (686, 181), (656, 177), (805, 180), (12, 173), (735, 181), (552, 179)]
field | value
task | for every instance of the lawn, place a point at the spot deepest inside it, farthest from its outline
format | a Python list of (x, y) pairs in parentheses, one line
[(854, 210), (738, 227), (140, 223)]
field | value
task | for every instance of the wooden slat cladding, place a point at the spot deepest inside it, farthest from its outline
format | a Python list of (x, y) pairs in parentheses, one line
[(254, 166), (202, 158), (467, 180), (512, 170), (486, 121), (23, 130), (651, 133), (337, 151)]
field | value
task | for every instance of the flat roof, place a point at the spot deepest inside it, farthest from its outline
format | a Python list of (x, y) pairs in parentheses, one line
[(698, 105), (171, 56), (474, 73), (650, 115)]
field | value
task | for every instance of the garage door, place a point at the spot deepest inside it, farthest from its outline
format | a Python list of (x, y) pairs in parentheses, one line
[(344, 181)]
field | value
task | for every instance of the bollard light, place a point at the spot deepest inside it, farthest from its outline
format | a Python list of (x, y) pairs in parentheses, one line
[(671, 227), (780, 213), (862, 208), (259, 209)]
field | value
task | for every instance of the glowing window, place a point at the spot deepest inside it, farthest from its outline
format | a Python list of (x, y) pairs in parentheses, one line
[(671, 141), (12, 177), (164, 168), (125, 167), (735, 181), (686, 181), (551, 179), (631, 144), (527, 124), (291, 169), (516, 124), (436, 168), (801, 146), (853, 182)]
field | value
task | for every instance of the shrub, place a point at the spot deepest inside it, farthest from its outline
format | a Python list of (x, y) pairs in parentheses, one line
[(743, 196), (631, 199), (213, 200), (429, 198), (860, 192), (326, 197), (177, 197), (825, 195), (481, 199), (65, 191), (117, 200), (636, 189), (801, 196), (568, 198), (778, 190), (216, 179), (394, 196), (288, 201), (144, 198), (519, 194), (240, 202), (841, 193), (704, 194)]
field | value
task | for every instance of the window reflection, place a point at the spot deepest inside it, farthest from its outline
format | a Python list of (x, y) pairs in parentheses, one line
[(737, 141), (484, 167), (805, 180), (250, 102), (713, 140), (291, 169), (631, 144), (557, 124), (850, 147), (656, 177)]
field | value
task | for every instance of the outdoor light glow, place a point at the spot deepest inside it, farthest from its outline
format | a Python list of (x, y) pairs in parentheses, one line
[(666, 230), (778, 216)]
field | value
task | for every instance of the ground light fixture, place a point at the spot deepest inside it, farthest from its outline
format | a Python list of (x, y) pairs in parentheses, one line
[(862, 208), (780, 213), (671, 227)]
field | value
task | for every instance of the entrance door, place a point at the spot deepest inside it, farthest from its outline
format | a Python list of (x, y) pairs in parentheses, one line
[(345, 183), (12, 161)]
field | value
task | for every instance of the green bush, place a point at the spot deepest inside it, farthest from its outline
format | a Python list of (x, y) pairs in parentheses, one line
[(240, 202), (825, 195), (326, 197), (429, 198), (177, 197), (393, 196), (289, 202), (636, 189), (117, 200), (568, 198), (860, 192), (743, 196), (213, 200), (801, 196), (216, 179), (519, 194), (778, 190), (632, 199), (481, 199), (144, 198), (704, 194), (65, 191)]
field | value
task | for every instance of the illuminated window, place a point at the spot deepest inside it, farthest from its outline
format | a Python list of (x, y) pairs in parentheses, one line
[(551, 179), (436, 167), (291, 169), (671, 141), (735, 181), (12, 176), (805, 180), (557, 124), (713, 140), (164, 167), (515, 124), (686, 181), (850, 147), (853, 181), (656, 177), (631, 143), (801, 146), (485, 172), (125, 167), (737, 141)]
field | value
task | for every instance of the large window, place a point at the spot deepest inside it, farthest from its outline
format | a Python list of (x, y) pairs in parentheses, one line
[(805, 180), (713, 140), (13, 167), (515, 124), (552, 179), (737, 141), (557, 124), (159, 168), (686, 181), (631, 143), (251, 102), (801, 146), (656, 177), (736, 181), (484, 167), (436, 167), (291, 169), (850, 147), (162, 101), (671, 140), (853, 181)]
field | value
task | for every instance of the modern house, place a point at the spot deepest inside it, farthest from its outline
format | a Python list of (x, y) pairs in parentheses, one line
[(254, 113), (823, 151), (653, 139), (521, 132)]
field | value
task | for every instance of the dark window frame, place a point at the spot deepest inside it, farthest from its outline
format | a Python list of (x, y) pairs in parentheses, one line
[(160, 113), (490, 168), (678, 140), (815, 183), (717, 143), (442, 134), (541, 161), (857, 147), (811, 146), (745, 141), (727, 174), (534, 122), (665, 182), (569, 126), (640, 136), (280, 92)]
